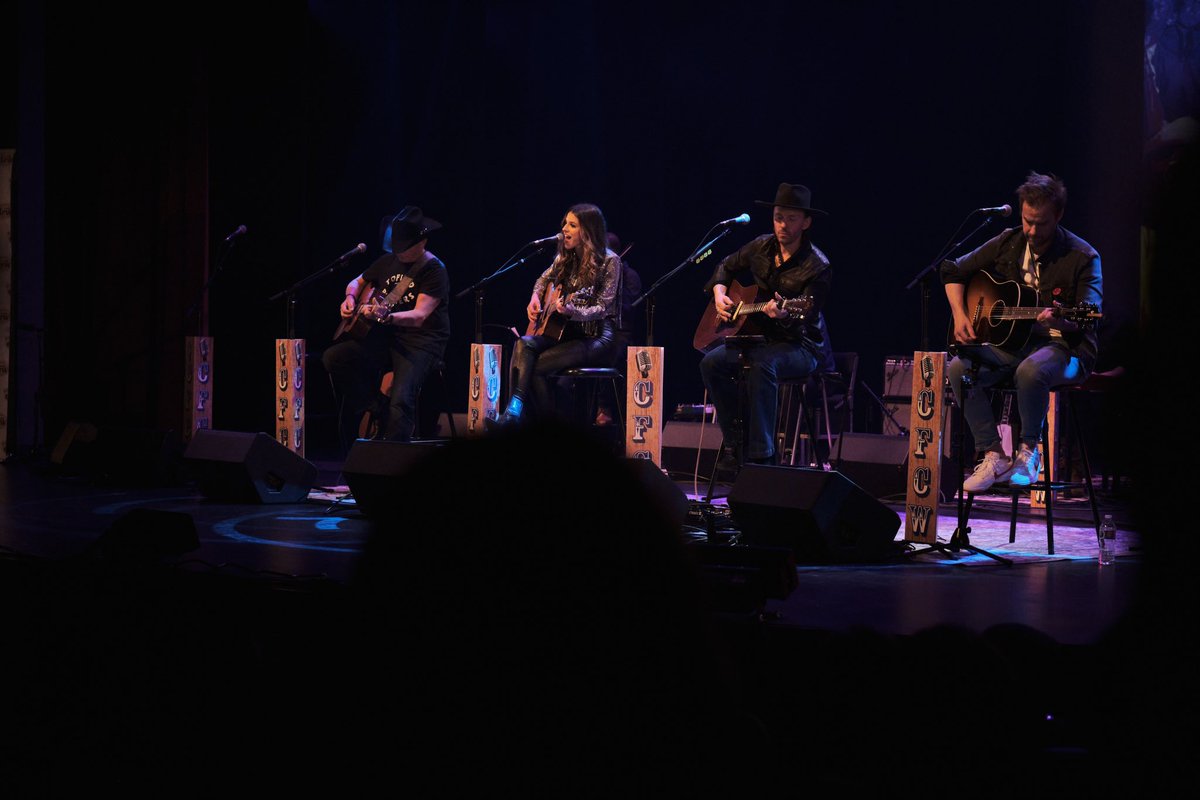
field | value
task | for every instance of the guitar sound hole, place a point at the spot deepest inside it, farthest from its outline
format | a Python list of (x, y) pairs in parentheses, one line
[(996, 314)]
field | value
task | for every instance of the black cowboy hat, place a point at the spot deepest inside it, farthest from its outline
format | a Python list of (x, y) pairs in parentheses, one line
[(405, 229), (792, 195)]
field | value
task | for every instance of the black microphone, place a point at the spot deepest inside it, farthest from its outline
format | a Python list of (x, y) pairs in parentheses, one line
[(240, 230), (741, 219), (1003, 210), (545, 240), (346, 256)]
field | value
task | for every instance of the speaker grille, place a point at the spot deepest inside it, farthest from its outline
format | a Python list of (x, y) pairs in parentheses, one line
[(823, 516), (248, 467)]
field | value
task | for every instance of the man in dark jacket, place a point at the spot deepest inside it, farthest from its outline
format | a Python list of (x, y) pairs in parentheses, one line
[(1039, 264), (791, 277)]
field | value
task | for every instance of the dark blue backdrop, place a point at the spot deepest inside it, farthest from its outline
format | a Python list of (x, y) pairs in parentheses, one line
[(310, 123)]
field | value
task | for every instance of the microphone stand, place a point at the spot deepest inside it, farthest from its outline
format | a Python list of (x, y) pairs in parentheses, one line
[(290, 292), (194, 307), (960, 538), (923, 274), (883, 407), (699, 254), (479, 286)]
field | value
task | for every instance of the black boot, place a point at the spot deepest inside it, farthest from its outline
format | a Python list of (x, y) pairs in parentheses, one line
[(512, 417)]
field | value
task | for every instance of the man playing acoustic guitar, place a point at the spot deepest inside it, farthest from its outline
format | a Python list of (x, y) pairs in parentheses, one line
[(1045, 265), (780, 269), (394, 317)]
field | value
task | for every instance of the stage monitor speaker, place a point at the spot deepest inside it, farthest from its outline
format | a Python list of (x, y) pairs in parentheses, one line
[(374, 470), (243, 467), (682, 441), (879, 464), (897, 398), (823, 516)]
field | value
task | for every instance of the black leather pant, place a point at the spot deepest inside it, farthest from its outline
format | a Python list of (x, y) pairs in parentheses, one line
[(536, 358), (356, 367)]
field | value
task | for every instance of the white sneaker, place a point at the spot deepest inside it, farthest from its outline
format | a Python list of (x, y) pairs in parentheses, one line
[(995, 467), (1025, 467)]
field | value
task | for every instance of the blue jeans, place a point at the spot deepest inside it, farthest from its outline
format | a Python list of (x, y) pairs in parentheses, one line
[(355, 368), (768, 363), (1033, 372)]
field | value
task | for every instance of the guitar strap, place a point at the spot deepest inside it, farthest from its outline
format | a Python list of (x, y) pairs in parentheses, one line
[(405, 281), (1031, 269)]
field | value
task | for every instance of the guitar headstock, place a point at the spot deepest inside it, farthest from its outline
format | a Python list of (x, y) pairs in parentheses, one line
[(797, 307)]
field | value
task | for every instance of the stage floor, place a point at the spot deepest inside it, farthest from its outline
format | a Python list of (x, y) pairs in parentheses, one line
[(832, 676), (1066, 595)]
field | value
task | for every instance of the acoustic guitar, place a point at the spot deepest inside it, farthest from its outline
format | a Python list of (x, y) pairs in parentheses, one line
[(746, 301), (372, 307), (1003, 312), (548, 322)]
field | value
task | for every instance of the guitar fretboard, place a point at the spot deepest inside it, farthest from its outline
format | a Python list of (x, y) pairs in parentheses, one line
[(1018, 313), (749, 308), (1025, 312)]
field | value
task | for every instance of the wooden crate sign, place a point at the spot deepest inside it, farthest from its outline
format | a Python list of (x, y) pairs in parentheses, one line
[(643, 403), (484, 400), (197, 385), (925, 447), (289, 394)]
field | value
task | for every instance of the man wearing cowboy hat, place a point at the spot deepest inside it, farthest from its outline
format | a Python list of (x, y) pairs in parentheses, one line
[(783, 265), (409, 309)]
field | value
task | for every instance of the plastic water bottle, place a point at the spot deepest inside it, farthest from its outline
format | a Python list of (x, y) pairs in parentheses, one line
[(1108, 541)]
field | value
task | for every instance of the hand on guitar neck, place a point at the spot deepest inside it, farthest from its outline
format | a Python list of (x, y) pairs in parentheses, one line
[(726, 314), (366, 309)]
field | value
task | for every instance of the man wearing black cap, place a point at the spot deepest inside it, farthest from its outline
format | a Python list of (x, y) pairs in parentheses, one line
[(782, 266), (396, 317)]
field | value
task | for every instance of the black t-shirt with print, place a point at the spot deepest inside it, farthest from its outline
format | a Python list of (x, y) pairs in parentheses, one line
[(429, 277)]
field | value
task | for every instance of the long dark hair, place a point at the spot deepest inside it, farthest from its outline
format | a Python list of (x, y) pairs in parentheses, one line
[(583, 265)]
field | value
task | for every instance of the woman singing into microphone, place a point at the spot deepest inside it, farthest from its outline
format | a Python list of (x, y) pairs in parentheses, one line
[(572, 315)]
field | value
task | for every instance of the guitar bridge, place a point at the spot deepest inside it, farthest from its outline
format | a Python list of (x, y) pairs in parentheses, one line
[(975, 317)]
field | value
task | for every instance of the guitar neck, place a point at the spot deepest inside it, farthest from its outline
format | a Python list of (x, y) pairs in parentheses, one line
[(1021, 312), (1026, 312), (750, 308), (792, 306)]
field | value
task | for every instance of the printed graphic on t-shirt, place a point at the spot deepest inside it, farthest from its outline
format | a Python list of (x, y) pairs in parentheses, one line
[(407, 300)]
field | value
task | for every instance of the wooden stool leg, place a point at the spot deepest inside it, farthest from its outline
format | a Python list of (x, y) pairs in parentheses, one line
[(1051, 452)]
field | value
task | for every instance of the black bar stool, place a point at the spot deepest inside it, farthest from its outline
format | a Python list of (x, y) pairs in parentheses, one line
[(1049, 484), (586, 402), (796, 414)]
